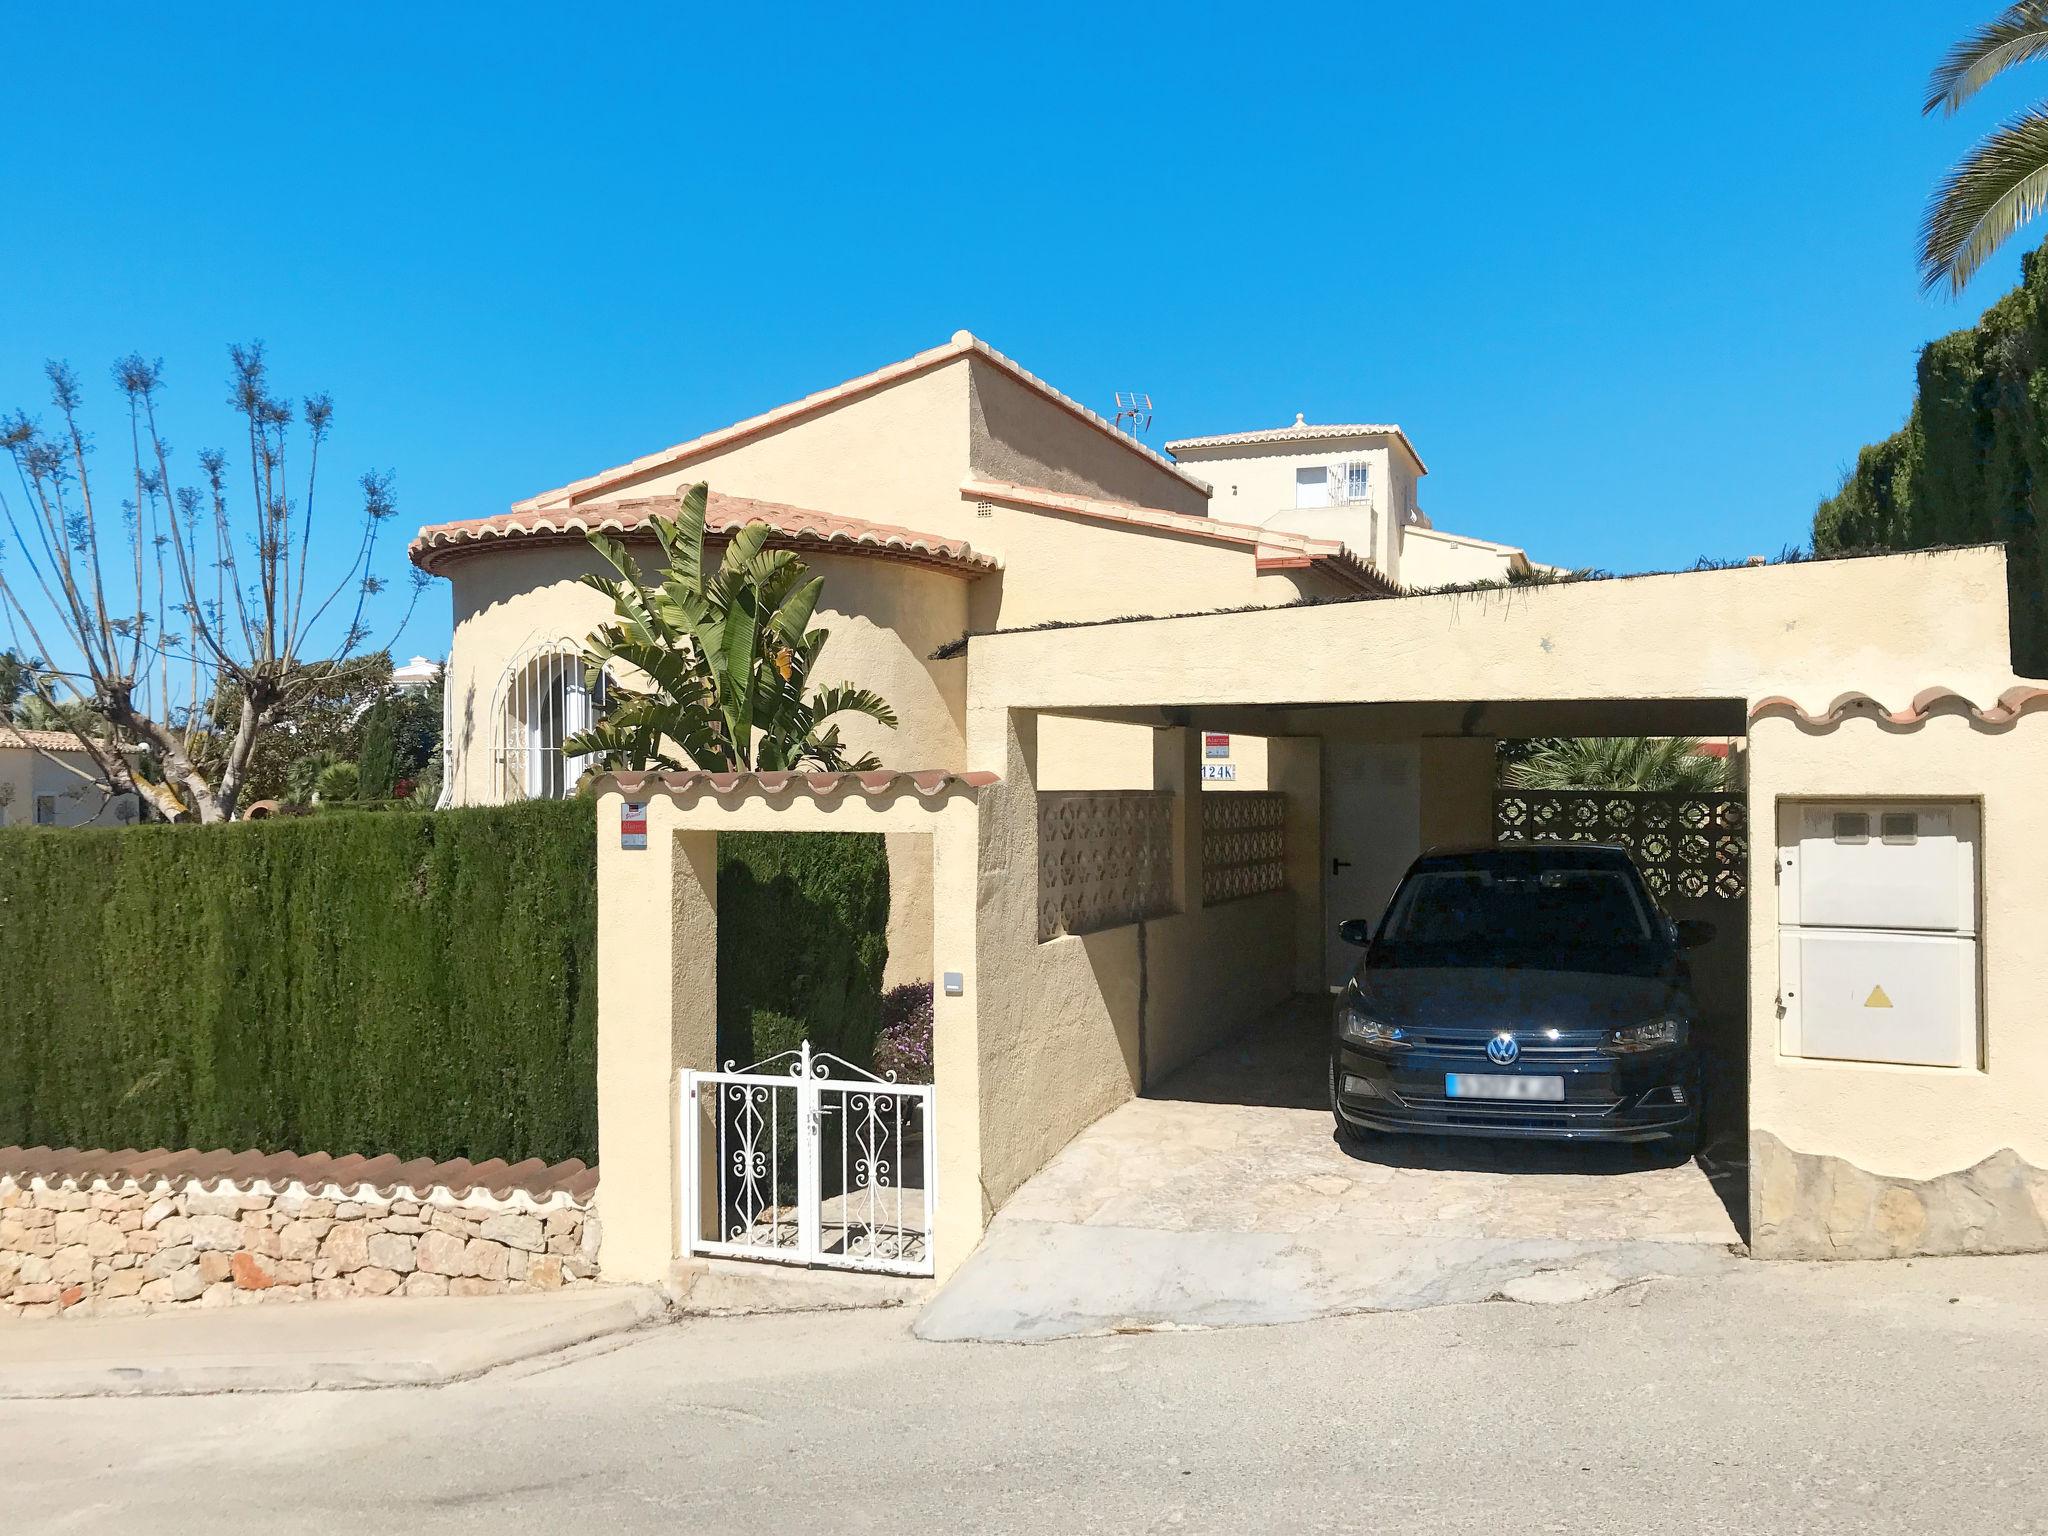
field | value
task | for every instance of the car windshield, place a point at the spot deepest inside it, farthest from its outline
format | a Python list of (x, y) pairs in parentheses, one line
[(1561, 919)]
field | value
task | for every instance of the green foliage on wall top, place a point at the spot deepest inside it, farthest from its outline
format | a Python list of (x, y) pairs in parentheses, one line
[(421, 985), (1971, 463)]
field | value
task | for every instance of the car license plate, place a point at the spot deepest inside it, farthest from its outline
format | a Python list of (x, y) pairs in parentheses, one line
[(1496, 1085)]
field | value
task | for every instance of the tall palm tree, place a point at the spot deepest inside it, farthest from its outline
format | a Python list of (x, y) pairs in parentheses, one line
[(716, 663), (1673, 763), (2003, 182)]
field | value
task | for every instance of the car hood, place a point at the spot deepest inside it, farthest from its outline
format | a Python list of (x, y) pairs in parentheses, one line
[(1495, 998)]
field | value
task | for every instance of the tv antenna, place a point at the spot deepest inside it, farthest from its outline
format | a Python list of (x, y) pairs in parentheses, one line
[(1134, 406)]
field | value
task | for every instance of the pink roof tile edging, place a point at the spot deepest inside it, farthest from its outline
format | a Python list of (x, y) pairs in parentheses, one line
[(928, 784), (2011, 705), (725, 515), (530, 1183)]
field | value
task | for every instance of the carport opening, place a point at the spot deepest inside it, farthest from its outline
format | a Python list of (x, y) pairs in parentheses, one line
[(1392, 781)]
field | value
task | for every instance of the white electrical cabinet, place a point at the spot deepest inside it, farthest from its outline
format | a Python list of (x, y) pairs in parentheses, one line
[(1877, 931)]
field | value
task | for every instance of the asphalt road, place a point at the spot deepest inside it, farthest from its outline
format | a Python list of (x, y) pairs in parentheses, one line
[(1854, 1398)]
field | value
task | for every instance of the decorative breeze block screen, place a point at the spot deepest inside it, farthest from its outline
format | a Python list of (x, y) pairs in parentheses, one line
[(1105, 859), (1686, 845), (1244, 844)]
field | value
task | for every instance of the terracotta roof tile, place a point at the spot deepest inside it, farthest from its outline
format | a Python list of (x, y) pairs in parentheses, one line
[(12, 735), (794, 526), (386, 1175), (2012, 704), (928, 783)]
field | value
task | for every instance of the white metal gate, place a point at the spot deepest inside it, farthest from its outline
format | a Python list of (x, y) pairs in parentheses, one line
[(807, 1169)]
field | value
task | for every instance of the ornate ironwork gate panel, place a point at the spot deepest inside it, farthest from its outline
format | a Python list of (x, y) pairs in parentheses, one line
[(1686, 845), (806, 1168)]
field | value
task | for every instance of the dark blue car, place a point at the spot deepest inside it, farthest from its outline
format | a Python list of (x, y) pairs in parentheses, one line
[(1532, 992)]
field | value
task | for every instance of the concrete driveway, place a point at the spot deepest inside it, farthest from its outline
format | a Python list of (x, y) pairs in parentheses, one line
[(1225, 1197)]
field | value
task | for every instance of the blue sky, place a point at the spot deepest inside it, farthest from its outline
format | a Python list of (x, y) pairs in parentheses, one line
[(1637, 284)]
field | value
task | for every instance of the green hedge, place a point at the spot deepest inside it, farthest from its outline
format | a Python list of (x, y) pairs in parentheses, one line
[(802, 938), (1971, 462), (423, 985)]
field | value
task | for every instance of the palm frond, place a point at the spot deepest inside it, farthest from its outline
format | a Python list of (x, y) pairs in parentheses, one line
[(725, 657), (1999, 186), (847, 699), (2017, 37), (1670, 763)]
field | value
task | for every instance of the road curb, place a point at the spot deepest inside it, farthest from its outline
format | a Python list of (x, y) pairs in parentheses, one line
[(138, 1365)]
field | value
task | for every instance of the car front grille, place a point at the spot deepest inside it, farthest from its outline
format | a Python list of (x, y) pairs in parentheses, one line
[(1532, 1044)]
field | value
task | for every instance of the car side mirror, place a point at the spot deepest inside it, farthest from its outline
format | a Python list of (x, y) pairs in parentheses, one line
[(1692, 932), (1356, 930)]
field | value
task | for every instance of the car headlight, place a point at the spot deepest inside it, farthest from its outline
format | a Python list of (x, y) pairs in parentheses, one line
[(1658, 1035), (1361, 1028)]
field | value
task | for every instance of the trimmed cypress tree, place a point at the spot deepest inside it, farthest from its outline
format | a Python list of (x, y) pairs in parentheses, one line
[(377, 758)]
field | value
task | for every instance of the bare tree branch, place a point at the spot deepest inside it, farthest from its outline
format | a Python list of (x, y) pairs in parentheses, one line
[(247, 644)]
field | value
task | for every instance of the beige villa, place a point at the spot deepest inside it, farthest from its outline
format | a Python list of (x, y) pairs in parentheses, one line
[(1068, 622)]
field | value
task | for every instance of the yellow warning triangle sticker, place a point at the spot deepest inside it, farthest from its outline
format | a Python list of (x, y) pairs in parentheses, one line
[(1877, 999)]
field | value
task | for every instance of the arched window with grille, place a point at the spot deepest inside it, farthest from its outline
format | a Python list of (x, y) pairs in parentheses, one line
[(543, 700)]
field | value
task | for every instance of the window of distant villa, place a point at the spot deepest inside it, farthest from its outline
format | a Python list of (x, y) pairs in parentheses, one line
[(1333, 485), (46, 810)]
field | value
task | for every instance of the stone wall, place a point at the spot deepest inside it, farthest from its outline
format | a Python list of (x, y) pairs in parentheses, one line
[(96, 1247), (1809, 1206)]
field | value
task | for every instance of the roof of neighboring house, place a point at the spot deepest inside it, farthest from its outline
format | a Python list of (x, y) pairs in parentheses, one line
[(41, 741), (795, 527), (1512, 552), (962, 344), (1301, 432), (1273, 548)]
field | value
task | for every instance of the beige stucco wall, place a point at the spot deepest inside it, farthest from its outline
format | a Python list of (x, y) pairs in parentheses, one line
[(894, 455), (1891, 626), (1071, 1028), (1430, 559), (1017, 434), (1070, 569), (885, 620), (69, 778), (1903, 1121)]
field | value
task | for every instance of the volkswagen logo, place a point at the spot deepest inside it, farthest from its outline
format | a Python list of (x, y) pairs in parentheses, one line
[(1502, 1050)]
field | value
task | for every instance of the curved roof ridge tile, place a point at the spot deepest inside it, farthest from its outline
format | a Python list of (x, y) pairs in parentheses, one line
[(214, 1170), (926, 782), (725, 514), (2010, 705)]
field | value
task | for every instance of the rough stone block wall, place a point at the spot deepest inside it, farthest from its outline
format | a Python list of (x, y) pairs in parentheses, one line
[(1814, 1207), (71, 1247)]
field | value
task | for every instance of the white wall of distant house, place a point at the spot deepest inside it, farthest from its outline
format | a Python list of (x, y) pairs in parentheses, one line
[(58, 789)]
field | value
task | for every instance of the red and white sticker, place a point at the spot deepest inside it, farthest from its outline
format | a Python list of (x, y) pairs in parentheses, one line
[(633, 824)]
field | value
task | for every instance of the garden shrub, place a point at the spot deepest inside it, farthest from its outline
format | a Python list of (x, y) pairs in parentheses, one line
[(423, 985), (904, 1045)]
